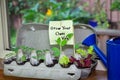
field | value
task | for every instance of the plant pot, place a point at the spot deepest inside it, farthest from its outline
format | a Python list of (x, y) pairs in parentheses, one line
[(93, 23), (7, 61), (65, 66), (14, 58), (20, 63), (35, 64), (55, 61), (40, 61), (50, 65), (85, 72)]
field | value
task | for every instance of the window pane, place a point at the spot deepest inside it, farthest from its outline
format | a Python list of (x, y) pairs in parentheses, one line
[(43, 11)]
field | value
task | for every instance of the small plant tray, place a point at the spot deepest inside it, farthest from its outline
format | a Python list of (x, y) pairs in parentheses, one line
[(42, 71), (36, 36)]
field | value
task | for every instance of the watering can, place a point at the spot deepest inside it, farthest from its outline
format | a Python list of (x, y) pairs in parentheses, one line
[(112, 61)]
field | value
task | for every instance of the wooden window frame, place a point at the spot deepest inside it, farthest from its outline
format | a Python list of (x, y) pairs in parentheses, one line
[(4, 37)]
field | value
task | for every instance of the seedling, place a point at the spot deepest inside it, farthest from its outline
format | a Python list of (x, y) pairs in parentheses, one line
[(21, 58), (86, 59), (26, 50), (41, 55), (56, 52), (82, 52), (90, 50), (48, 59), (9, 57), (61, 42), (34, 58), (64, 60)]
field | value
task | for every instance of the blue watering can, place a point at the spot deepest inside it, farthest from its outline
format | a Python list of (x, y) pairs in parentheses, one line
[(112, 61)]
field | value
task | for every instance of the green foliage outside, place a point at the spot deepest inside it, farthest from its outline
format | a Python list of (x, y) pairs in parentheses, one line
[(115, 5), (48, 10), (16, 6), (101, 19), (13, 38), (100, 15), (43, 11)]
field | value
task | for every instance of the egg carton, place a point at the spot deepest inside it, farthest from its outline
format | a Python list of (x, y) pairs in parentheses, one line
[(42, 71), (36, 36)]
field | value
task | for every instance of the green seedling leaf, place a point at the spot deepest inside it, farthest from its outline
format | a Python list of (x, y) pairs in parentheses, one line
[(47, 50), (23, 58), (35, 57), (78, 51), (38, 52), (77, 46), (31, 49), (81, 52), (64, 60), (69, 36), (42, 57), (10, 55), (58, 41), (22, 47), (90, 50), (15, 49), (64, 42), (56, 51)]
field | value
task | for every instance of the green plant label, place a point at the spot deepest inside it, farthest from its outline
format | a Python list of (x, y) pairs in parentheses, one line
[(60, 29)]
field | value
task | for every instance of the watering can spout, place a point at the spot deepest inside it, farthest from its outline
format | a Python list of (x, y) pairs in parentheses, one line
[(91, 41)]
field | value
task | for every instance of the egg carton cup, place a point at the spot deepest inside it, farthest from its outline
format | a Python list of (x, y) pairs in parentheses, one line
[(85, 72)]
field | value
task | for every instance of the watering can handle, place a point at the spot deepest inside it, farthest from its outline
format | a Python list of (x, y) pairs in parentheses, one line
[(100, 55)]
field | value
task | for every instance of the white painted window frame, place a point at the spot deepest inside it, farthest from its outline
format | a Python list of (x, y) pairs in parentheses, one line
[(4, 40)]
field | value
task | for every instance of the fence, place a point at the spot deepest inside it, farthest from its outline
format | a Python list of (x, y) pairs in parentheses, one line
[(113, 16)]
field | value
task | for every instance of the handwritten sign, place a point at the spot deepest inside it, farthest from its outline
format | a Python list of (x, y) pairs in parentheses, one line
[(59, 29)]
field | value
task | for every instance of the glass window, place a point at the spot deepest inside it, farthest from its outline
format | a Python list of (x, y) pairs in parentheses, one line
[(93, 12), (43, 11)]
